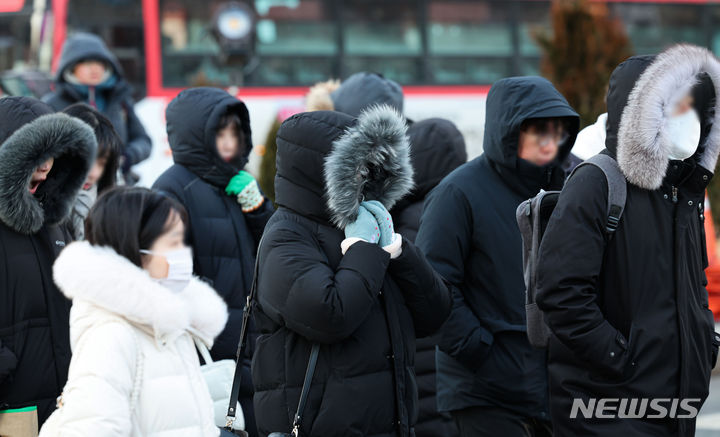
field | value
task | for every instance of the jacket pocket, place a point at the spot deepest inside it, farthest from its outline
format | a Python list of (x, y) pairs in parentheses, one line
[(12, 345), (601, 375)]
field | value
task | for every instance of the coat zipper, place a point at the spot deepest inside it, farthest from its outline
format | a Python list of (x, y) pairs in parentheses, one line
[(680, 304)]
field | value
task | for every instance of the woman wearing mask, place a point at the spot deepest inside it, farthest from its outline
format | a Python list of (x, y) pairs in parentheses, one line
[(629, 310), (103, 172), (136, 314)]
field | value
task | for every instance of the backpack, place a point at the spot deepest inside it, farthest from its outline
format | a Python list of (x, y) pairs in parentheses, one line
[(533, 216)]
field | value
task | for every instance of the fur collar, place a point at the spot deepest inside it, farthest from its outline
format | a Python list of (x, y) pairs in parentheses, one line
[(370, 161), (72, 143), (643, 143), (105, 279)]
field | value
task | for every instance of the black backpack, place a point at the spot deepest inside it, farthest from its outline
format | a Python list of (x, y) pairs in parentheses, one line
[(533, 216)]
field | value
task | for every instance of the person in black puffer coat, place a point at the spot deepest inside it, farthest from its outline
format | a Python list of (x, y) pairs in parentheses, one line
[(44, 160), (323, 278), (629, 312), (103, 88), (437, 148), (223, 232)]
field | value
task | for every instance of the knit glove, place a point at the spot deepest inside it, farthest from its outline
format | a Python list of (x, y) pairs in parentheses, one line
[(384, 220), (364, 228), (244, 186)]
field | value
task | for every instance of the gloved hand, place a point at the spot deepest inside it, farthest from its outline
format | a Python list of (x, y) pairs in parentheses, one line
[(364, 228), (384, 220), (245, 187)]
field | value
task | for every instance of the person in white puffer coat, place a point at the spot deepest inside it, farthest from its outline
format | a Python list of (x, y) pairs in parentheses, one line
[(135, 315)]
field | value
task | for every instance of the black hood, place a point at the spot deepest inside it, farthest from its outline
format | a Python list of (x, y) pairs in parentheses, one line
[(30, 134), (362, 90), (510, 102), (192, 120), (437, 148), (643, 92), (81, 46), (328, 162), (622, 81), (303, 142)]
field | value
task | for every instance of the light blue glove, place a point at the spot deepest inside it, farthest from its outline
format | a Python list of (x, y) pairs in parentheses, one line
[(364, 227), (384, 220)]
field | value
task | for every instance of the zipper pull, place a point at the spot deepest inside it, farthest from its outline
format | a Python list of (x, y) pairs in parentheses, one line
[(674, 194)]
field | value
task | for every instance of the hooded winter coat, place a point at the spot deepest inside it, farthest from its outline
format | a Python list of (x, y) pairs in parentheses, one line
[(364, 309), (630, 313), (135, 369), (223, 238), (113, 97), (436, 147), (469, 234), (34, 344)]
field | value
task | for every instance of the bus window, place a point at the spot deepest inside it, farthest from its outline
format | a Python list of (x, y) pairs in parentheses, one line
[(654, 27), (469, 42), (295, 43)]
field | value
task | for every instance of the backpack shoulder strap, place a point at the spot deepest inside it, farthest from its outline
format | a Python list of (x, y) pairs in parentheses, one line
[(617, 187)]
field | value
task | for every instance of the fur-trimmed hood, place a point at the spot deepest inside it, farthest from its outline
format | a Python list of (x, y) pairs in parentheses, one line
[(328, 161), (642, 143), (34, 140), (101, 277), (370, 161)]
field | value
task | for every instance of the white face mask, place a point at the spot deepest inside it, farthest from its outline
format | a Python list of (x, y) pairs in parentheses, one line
[(180, 262), (684, 133)]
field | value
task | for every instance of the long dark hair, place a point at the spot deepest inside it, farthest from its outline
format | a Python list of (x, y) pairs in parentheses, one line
[(129, 219), (108, 141)]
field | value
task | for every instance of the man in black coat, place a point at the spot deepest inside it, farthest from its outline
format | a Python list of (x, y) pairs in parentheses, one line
[(629, 312), (102, 86), (489, 377), (436, 148), (363, 303), (223, 237), (44, 159)]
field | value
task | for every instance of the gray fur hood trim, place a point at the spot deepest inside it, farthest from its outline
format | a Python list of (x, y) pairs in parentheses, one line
[(643, 142), (72, 143), (370, 161)]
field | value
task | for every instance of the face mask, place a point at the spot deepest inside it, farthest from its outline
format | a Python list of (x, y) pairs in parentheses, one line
[(684, 133), (180, 269)]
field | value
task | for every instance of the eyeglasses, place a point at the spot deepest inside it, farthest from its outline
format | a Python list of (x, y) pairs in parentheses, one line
[(544, 140)]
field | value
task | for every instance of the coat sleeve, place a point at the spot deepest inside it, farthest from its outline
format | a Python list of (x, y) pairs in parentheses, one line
[(569, 267), (426, 294), (139, 145), (256, 220), (96, 398), (299, 289), (169, 186), (445, 237)]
